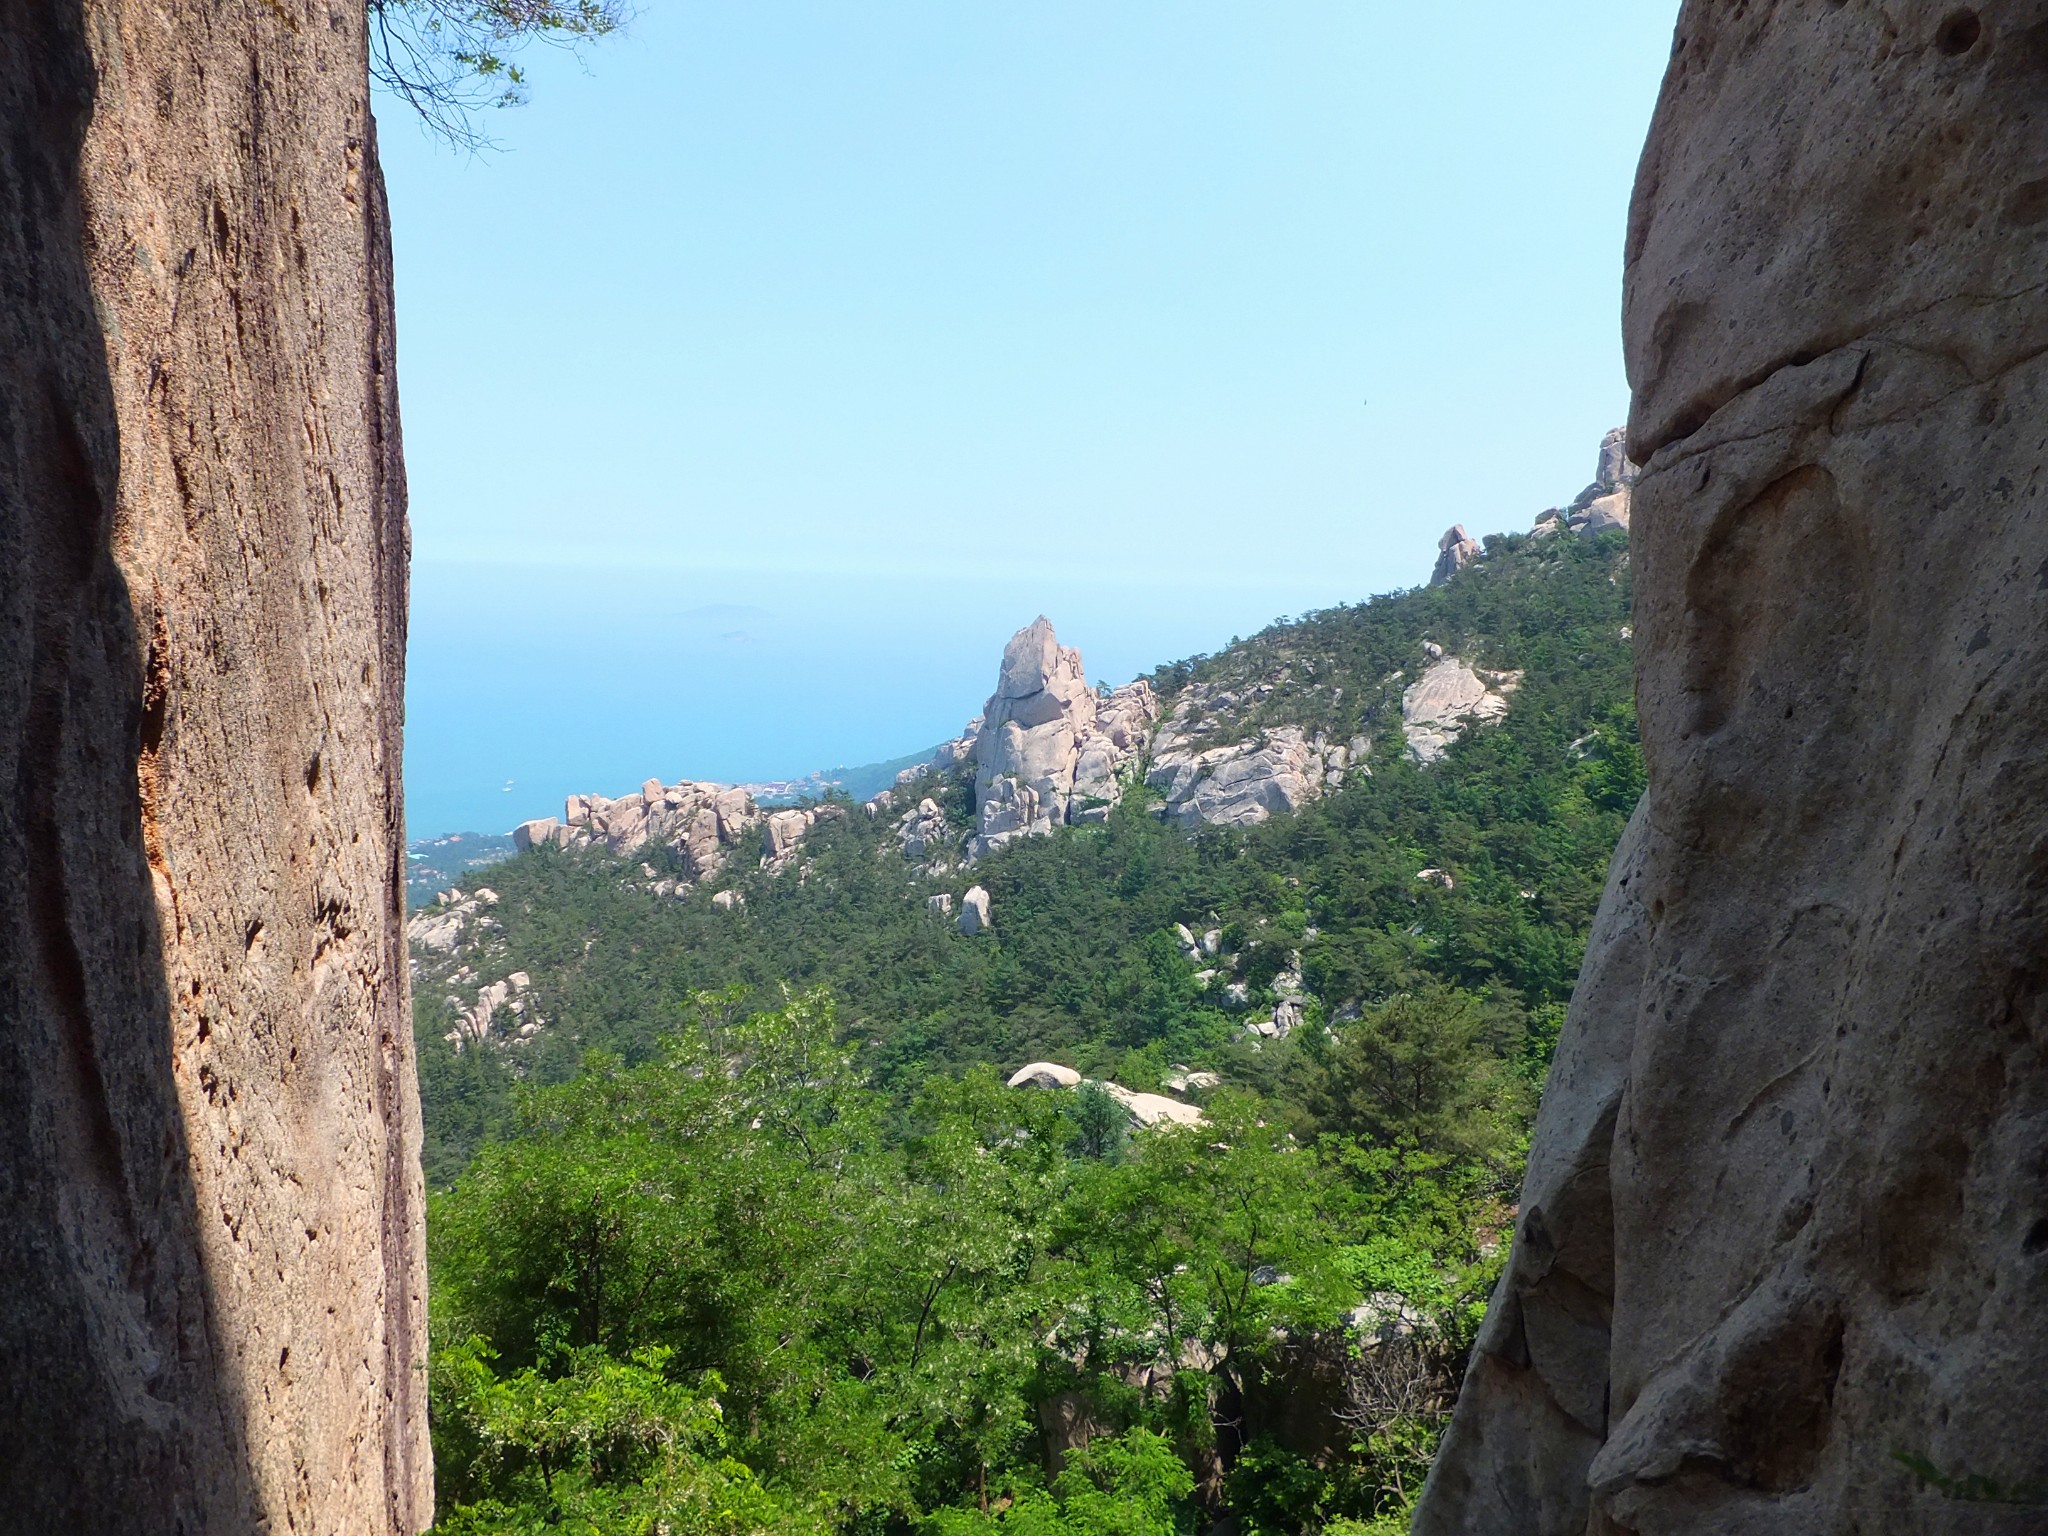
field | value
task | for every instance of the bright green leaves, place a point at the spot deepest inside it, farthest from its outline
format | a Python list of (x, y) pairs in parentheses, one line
[(732, 1284), (1134, 1484), (595, 1446)]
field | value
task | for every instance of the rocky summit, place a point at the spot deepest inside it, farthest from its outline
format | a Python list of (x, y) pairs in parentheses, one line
[(1048, 751), (707, 824)]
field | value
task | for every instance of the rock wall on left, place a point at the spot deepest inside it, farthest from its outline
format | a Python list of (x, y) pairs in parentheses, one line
[(211, 1277)]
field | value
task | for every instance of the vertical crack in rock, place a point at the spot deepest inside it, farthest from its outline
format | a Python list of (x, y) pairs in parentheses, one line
[(1778, 1265)]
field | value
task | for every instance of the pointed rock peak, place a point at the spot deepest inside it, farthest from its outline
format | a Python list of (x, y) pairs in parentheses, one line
[(1029, 660), (1614, 469), (1455, 550)]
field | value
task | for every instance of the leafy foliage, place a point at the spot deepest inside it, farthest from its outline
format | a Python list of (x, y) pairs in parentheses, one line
[(1082, 966), (752, 1232)]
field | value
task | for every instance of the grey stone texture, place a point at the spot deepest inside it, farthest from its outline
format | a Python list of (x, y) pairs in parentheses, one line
[(1786, 1219)]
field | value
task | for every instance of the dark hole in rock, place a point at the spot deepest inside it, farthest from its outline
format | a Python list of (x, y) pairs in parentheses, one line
[(2037, 1236), (1959, 33)]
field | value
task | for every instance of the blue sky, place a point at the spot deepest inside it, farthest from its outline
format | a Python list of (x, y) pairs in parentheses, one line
[(786, 358)]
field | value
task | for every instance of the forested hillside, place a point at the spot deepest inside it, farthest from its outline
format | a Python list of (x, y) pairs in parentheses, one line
[(745, 1202)]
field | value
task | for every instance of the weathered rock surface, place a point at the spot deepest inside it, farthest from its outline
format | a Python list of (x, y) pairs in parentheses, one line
[(1604, 514), (1454, 551), (1049, 750), (1247, 781), (1149, 1109), (705, 823), (924, 834), (781, 831), (1045, 1074), (1448, 699), (1785, 1217), (1124, 718), (1243, 781), (439, 928), (211, 1281), (1602, 507), (1030, 736), (974, 913), (494, 1003), (1145, 1109)]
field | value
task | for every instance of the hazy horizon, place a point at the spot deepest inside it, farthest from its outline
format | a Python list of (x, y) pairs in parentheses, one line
[(894, 328)]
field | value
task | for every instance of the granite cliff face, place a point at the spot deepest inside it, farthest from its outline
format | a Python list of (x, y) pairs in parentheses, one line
[(1785, 1232), (211, 1279), (1047, 751), (1050, 751)]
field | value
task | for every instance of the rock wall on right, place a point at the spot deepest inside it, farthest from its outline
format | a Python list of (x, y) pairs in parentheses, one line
[(1781, 1263)]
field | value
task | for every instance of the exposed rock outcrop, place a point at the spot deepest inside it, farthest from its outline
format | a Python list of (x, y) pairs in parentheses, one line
[(924, 834), (473, 1025), (974, 912), (1247, 781), (1124, 718), (1149, 1109), (1454, 551), (211, 1267), (1048, 750), (1448, 699), (1045, 1074), (439, 928), (1784, 1236), (1239, 782), (1602, 507), (704, 823), (1145, 1109)]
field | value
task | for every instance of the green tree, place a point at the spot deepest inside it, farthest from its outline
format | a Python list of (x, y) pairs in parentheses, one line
[(599, 1446), (1101, 1125), (1133, 1484), (1426, 1070)]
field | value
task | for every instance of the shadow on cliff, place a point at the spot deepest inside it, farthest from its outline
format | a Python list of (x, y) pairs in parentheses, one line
[(118, 1406)]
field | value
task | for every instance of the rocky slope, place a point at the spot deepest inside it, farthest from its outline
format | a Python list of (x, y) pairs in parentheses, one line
[(212, 1313), (1227, 748), (1782, 1261), (1437, 774)]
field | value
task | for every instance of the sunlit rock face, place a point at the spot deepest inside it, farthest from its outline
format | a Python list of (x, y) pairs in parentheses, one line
[(212, 1285), (1049, 750), (1449, 699), (706, 824), (1784, 1238)]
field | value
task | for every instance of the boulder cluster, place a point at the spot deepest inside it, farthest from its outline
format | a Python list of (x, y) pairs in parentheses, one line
[(1145, 1109), (706, 824), (1602, 507)]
